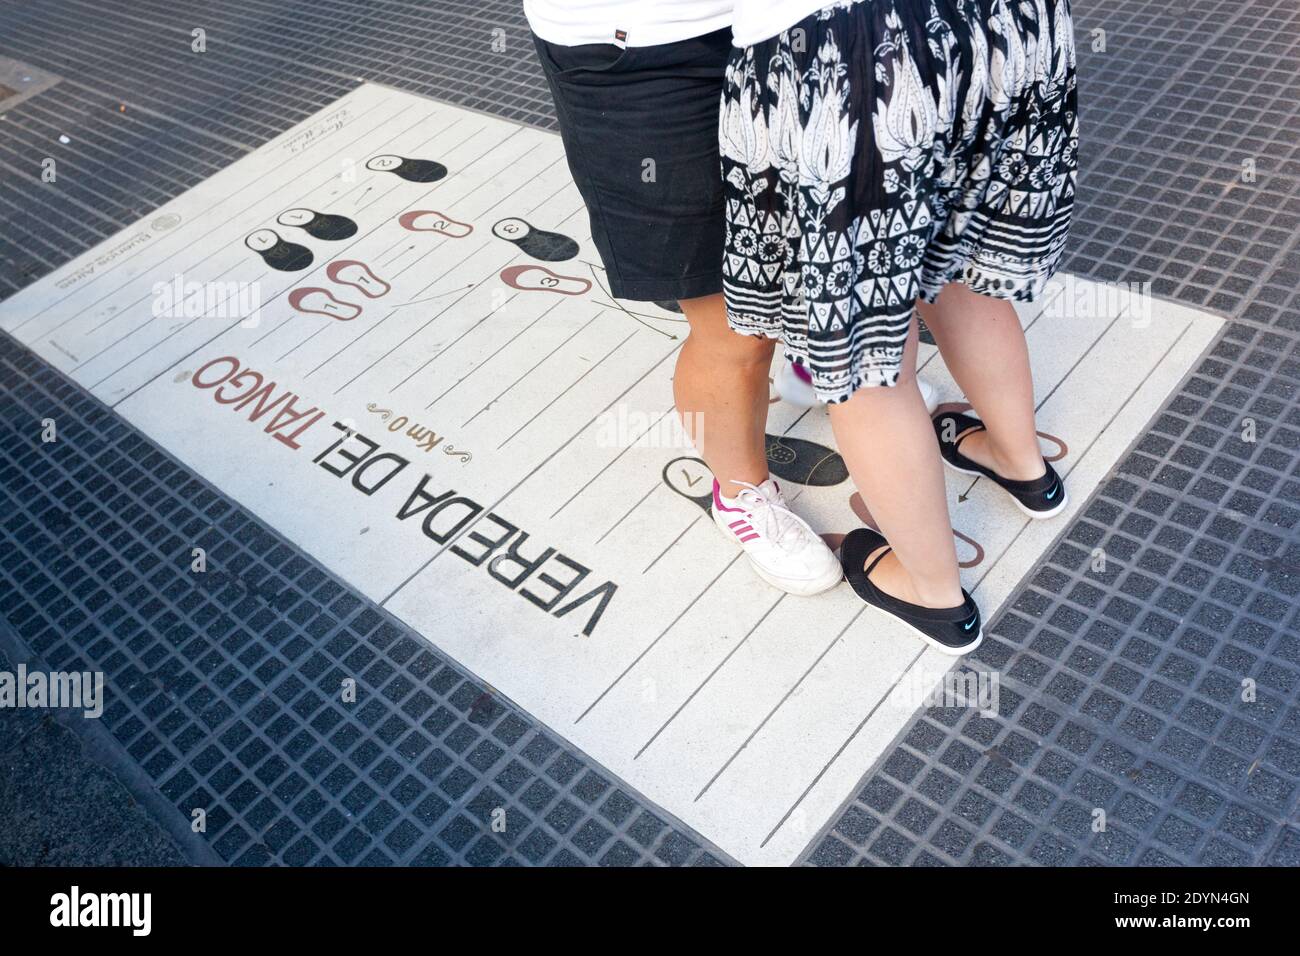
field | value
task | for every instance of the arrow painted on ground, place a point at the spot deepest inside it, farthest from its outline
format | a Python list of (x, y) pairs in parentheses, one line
[(624, 309), (399, 255)]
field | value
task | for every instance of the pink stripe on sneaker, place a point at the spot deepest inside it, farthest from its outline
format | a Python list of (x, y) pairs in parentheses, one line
[(717, 498), (749, 538)]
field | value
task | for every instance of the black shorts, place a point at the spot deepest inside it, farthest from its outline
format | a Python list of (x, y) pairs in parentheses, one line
[(640, 128)]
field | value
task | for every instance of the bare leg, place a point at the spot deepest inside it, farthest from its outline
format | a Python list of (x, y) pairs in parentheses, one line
[(983, 345), (887, 441), (720, 387)]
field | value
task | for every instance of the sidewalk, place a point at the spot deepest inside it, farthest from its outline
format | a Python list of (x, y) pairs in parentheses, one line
[(1121, 688)]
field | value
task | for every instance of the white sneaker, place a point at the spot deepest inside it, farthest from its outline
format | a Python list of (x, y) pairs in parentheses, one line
[(797, 390), (783, 549)]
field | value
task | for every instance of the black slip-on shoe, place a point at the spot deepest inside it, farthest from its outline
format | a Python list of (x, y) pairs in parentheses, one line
[(953, 630), (1039, 498)]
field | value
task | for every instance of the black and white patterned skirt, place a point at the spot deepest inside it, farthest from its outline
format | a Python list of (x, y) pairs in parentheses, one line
[(881, 149)]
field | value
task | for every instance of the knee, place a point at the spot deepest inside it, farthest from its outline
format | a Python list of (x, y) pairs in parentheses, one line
[(710, 333), (732, 348)]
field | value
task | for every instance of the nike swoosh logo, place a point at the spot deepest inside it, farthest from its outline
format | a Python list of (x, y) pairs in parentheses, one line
[(1055, 489), (973, 621)]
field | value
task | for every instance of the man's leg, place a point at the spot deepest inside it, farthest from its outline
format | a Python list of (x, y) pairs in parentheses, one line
[(720, 387)]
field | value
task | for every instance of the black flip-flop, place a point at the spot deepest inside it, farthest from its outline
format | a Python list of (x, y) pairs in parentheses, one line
[(1039, 498), (953, 630)]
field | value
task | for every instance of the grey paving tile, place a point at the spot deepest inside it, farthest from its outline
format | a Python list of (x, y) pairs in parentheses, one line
[(59, 807)]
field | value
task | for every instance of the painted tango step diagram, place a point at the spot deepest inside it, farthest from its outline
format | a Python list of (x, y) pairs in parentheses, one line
[(412, 368)]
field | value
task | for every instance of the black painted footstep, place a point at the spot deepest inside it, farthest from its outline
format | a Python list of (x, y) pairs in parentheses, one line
[(691, 478), (412, 170), (319, 225), (278, 253), (538, 243), (804, 462)]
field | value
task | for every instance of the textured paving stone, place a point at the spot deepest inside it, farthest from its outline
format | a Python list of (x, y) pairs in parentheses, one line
[(59, 807)]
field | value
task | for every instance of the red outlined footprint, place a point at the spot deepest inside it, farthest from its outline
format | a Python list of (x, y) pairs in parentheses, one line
[(833, 539), (960, 407), (358, 275), (975, 545), (1058, 442), (429, 220), (541, 279), (860, 509), (313, 301)]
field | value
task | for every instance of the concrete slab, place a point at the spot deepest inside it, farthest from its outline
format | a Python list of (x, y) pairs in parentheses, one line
[(385, 333)]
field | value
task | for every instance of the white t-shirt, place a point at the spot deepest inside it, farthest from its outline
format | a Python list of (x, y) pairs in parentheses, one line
[(643, 23), (758, 20)]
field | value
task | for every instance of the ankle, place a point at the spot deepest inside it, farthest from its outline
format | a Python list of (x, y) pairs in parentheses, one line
[(892, 578), (1023, 465), (1017, 464), (729, 490), (935, 595)]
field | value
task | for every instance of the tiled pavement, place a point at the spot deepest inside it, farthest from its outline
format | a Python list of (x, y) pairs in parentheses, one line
[(60, 806), (1121, 687)]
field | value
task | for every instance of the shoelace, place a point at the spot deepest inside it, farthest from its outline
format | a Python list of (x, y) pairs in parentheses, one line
[(776, 519)]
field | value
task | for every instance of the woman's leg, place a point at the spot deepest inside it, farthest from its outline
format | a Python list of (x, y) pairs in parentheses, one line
[(887, 441), (983, 345), (720, 387)]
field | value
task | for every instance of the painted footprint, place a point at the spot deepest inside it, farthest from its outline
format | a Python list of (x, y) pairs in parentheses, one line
[(313, 301), (540, 279), (278, 253), (358, 275), (804, 462), (691, 478), (412, 170), (428, 220), (859, 507), (1062, 449), (319, 225), (537, 243)]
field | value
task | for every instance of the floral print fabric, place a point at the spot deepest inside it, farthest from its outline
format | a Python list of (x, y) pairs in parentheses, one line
[(881, 149)]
